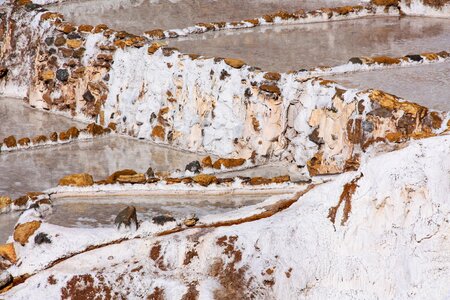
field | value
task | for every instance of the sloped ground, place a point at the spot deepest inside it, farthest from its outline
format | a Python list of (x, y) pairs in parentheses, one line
[(395, 223)]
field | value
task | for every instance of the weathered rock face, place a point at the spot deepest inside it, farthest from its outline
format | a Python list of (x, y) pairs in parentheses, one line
[(77, 180), (23, 231)]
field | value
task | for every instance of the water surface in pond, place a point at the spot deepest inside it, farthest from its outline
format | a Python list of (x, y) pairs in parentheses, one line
[(428, 85), (7, 223), (101, 211), (40, 169), (22, 121), (293, 47), (137, 16)]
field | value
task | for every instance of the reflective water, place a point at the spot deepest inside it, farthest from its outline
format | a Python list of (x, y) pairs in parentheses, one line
[(137, 16), (23, 121), (101, 212), (40, 169), (428, 85), (7, 223), (293, 47)]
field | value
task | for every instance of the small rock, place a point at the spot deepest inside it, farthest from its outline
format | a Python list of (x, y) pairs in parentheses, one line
[(204, 179), (414, 57), (356, 61), (39, 139), (24, 141), (269, 88), (161, 220), (94, 129), (3, 71), (194, 167), (74, 43), (60, 41), (88, 97), (228, 163), (49, 40), (73, 36), (207, 162), (234, 63), (191, 221), (62, 75), (54, 136), (82, 179), (48, 75), (5, 279), (42, 238), (150, 173), (128, 218), (113, 177), (10, 142)]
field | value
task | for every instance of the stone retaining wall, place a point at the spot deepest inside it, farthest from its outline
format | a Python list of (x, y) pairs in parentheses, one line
[(216, 105)]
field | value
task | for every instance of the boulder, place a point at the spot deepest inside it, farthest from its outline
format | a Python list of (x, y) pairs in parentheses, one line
[(47, 75), (113, 177), (10, 142), (23, 231), (161, 220), (228, 163), (270, 88), (127, 218), (156, 34), (234, 63), (273, 76), (8, 252), (194, 167), (82, 179), (204, 179), (136, 178)]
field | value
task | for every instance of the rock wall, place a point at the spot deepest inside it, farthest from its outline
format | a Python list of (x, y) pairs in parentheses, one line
[(215, 105)]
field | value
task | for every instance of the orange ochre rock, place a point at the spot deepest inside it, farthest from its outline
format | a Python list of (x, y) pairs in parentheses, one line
[(228, 163), (23, 231), (8, 252), (82, 179)]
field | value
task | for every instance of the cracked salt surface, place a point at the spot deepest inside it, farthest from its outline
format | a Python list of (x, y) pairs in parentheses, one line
[(22, 121), (40, 169), (293, 47), (139, 16), (428, 85), (88, 212)]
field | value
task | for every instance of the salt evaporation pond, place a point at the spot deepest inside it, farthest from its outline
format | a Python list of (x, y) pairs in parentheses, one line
[(7, 223), (428, 85), (137, 16), (92, 212), (22, 121), (40, 169), (293, 47)]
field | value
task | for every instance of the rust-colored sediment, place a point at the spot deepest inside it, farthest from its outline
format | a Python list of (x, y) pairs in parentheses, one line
[(346, 196)]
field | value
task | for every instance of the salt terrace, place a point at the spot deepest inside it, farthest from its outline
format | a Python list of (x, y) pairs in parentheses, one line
[(224, 149)]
